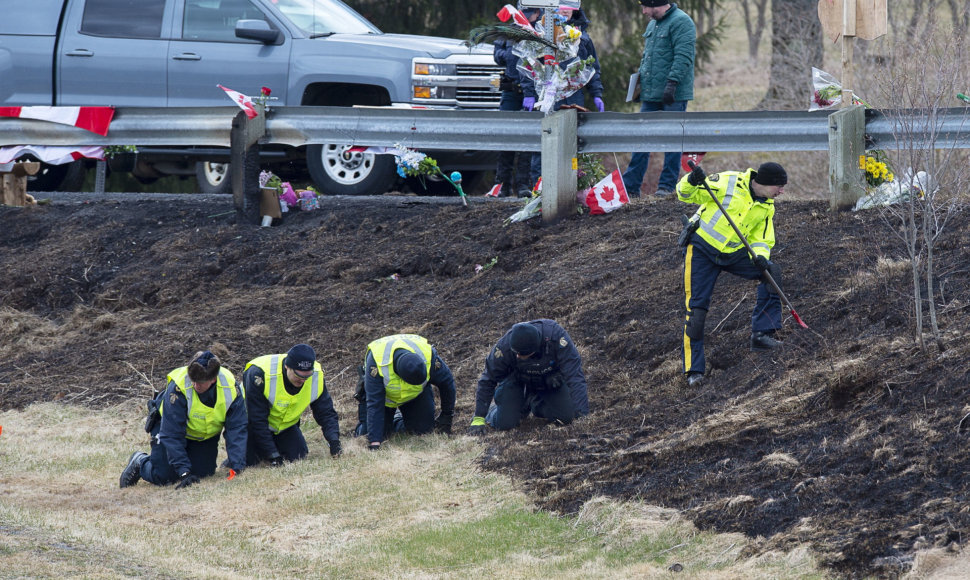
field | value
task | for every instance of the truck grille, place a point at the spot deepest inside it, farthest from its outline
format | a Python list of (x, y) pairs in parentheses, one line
[(483, 96)]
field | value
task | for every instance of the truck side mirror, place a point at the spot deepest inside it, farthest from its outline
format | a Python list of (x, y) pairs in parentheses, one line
[(258, 30)]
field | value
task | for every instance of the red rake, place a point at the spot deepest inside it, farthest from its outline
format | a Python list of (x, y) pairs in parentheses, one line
[(747, 246)]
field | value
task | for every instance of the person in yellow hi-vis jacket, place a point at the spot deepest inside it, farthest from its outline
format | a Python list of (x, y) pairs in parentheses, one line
[(200, 401), (714, 246), (395, 391), (278, 389)]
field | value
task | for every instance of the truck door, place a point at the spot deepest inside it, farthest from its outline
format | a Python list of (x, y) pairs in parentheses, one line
[(114, 52), (205, 52)]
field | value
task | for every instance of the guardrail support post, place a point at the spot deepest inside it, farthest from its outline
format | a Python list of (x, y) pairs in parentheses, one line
[(847, 141), (559, 150), (244, 163)]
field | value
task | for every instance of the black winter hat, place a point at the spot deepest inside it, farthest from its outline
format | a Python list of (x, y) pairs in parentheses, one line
[(410, 367), (525, 338), (771, 174), (300, 358), (654, 3)]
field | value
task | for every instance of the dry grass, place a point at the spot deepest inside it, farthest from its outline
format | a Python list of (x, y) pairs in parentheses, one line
[(420, 509)]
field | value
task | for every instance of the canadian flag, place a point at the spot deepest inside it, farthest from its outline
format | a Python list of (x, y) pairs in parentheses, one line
[(245, 103), (509, 11), (50, 155), (94, 119), (607, 195)]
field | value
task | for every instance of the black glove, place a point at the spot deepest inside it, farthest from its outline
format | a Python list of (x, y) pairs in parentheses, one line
[(762, 263), (697, 176), (335, 448), (443, 423), (276, 460), (187, 479), (360, 429), (669, 89)]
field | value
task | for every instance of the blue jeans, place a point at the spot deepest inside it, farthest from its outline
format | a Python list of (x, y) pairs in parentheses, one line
[(633, 176), (512, 169)]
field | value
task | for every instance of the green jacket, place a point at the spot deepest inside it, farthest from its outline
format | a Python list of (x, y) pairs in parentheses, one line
[(668, 54)]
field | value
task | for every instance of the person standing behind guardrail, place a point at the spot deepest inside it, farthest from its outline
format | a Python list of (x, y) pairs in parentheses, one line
[(577, 18), (512, 169), (666, 83)]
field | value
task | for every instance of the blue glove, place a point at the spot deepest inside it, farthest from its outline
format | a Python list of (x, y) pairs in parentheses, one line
[(528, 103), (600, 106)]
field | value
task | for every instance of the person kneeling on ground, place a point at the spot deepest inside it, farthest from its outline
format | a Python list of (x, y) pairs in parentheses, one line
[(185, 420), (395, 394), (535, 368), (278, 389)]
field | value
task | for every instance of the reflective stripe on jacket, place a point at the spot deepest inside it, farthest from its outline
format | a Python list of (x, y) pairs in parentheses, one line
[(285, 409), (396, 390), (204, 422), (752, 216)]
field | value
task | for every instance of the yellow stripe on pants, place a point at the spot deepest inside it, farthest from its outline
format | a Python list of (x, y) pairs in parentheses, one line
[(688, 356)]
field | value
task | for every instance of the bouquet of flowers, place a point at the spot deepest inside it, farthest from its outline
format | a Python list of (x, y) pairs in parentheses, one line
[(876, 167), (558, 76), (411, 163), (828, 92)]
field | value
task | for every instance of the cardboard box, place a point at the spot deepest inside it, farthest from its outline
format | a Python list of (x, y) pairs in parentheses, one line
[(269, 203)]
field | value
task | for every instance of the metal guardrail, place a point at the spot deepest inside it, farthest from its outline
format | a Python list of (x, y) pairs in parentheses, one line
[(497, 130), (918, 128)]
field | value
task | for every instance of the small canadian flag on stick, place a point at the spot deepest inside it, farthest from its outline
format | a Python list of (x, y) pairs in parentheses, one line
[(608, 194), (245, 103)]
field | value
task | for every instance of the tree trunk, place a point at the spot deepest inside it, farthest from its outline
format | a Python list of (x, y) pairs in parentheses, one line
[(796, 46)]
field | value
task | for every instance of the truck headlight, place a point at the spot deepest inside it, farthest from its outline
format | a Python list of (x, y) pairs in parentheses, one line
[(434, 69)]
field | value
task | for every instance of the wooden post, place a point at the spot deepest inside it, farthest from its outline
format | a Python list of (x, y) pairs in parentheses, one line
[(14, 183), (848, 46), (244, 163), (847, 141), (559, 151)]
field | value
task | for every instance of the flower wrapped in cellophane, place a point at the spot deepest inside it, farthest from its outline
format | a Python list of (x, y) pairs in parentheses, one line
[(556, 76)]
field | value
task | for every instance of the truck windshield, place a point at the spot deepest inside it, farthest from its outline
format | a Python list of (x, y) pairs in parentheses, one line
[(324, 17)]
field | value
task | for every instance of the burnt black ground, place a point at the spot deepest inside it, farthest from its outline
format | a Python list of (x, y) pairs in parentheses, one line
[(846, 440)]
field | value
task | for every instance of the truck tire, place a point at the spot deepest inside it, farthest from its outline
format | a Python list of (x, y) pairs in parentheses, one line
[(335, 170), (213, 177), (66, 177)]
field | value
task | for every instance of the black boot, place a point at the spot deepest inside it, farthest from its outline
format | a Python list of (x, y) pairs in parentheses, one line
[(132, 472), (762, 341), (695, 379)]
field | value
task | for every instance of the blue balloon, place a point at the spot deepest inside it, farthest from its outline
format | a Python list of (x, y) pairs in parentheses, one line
[(455, 176)]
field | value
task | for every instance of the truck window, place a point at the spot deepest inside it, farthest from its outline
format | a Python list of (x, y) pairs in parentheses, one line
[(216, 19), (123, 18), (324, 17)]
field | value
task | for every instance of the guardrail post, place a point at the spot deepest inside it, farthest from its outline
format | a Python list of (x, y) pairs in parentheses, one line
[(244, 163), (847, 141), (559, 150)]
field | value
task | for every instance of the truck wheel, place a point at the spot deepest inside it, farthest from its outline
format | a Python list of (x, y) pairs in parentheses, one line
[(213, 177), (337, 170), (66, 177)]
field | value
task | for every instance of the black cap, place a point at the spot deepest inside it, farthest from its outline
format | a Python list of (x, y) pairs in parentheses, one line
[(771, 174), (410, 367), (300, 358), (525, 338), (654, 3)]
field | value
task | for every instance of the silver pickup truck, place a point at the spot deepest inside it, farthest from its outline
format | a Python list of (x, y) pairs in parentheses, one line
[(173, 53)]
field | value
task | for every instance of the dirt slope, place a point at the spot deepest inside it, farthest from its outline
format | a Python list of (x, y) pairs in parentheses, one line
[(846, 440)]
